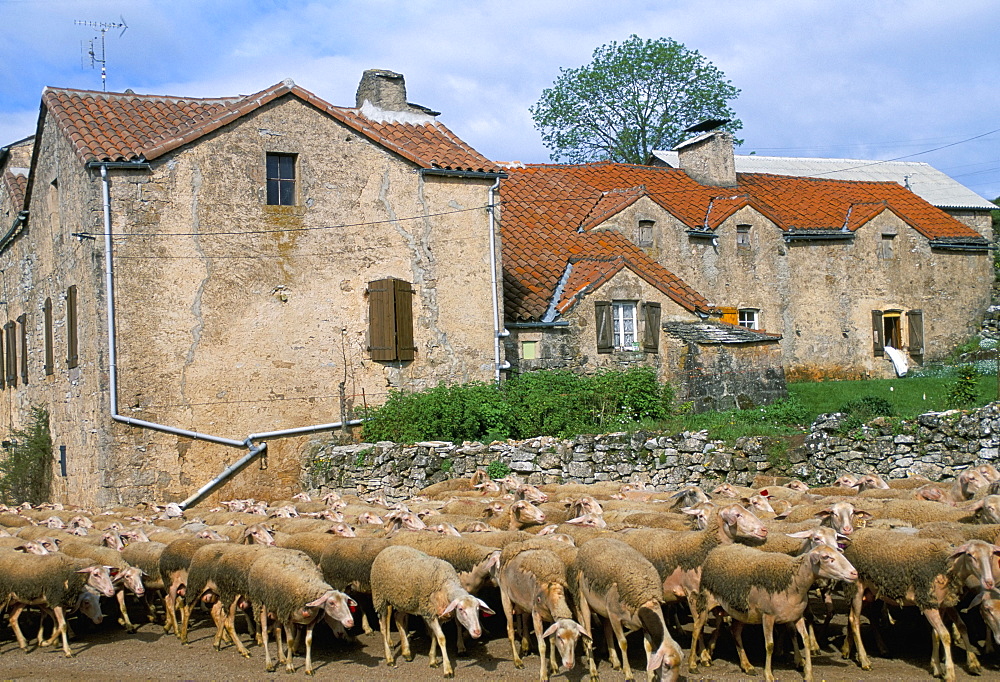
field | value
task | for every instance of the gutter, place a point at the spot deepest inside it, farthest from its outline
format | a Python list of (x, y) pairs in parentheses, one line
[(253, 450), (816, 235), (946, 245), (498, 331), (538, 325), (20, 219), (448, 173)]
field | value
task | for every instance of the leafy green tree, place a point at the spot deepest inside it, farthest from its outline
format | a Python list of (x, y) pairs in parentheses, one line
[(632, 98)]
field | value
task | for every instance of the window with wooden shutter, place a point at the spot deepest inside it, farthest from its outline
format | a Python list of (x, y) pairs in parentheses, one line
[(10, 345), (72, 341), (605, 326), (915, 328), (49, 366), (22, 328), (878, 338), (651, 327), (390, 320), (730, 316)]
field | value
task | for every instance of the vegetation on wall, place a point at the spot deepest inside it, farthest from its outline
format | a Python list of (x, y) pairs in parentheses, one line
[(26, 464)]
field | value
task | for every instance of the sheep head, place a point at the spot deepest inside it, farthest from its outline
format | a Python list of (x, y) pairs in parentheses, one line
[(737, 522), (467, 612), (830, 563), (565, 633), (335, 605)]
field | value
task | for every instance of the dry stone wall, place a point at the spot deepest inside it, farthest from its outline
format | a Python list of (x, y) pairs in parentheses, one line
[(936, 445)]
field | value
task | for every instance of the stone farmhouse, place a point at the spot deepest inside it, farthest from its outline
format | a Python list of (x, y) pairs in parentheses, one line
[(191, 283), (607, 264)]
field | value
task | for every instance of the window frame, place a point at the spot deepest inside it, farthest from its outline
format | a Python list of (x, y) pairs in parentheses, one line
[(753, 314), (390, 320), (49, 365), (886, 247), (647, 240), (72, 333), (743, 236), (22, 337), (10, 353), (279, 189), (620, 322)]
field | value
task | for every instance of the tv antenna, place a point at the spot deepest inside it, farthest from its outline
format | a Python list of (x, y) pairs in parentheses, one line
[(99, 58)]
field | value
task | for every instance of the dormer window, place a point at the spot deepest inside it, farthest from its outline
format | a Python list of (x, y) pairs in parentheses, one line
[(742, 236), (646, 232), (281, 179)]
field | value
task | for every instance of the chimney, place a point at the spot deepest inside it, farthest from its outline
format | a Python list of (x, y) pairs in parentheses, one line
[(709, 159), (386, 90)]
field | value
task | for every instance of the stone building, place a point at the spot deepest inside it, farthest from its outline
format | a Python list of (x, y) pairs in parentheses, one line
[(837, 270), (275, 263)]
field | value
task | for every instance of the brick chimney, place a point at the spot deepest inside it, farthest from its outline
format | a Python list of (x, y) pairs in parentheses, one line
[(709, 158), (386, 90)]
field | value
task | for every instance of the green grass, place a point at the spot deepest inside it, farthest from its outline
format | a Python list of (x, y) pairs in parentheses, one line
[(910, 396)]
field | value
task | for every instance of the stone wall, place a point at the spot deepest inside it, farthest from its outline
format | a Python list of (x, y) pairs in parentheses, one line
[(936, 445)]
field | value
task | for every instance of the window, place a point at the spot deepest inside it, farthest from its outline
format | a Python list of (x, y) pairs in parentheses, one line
[(742, 236), (22, 326), (885, 251), (10, 346), (49, 354), (72, 358), (529, 350), (390, 320), (887, 330), (616, 326), (646, 232), (915, 326), (651, 327), (749, 318), (280, 179)]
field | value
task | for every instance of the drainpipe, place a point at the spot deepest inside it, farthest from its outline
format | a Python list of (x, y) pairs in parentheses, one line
[(253, 450), (498, 332)]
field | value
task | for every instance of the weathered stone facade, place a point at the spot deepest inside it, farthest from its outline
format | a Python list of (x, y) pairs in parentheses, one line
[(235, 316), (935, 445)]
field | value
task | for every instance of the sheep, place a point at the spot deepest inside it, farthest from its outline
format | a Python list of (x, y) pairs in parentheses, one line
[(174, 562), (313, 544), (411, 582), (613, 580), (764, 587), (472, 561), (289, 585), (927, 573), (919, 512), (842, 516), (146, 557), (519, 515), (129, 576), (54, 581), (533, 581)]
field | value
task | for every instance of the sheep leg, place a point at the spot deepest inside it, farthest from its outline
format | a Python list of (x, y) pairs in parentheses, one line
[(230, 627), (972, 660), (854, 623), (129, 627), (807, 669), (459, 638), (583, 617), (609, 642), (768, 622), (745, 666), (699, 624), (616, 626), (15, 615), (536, 619), (402, 620), (942, 636), (309, 644), (384, 625), (268, 664), (437, 635), (291, 639), (508, 611), (522, 627)]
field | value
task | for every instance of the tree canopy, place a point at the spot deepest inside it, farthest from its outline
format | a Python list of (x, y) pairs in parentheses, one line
[(632, 98)]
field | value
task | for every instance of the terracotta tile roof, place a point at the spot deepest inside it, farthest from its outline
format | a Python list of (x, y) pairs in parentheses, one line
[(550, 212), (127, 127), (14, 186)]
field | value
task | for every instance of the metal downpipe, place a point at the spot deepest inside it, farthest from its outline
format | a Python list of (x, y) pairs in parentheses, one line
[(495, 297)]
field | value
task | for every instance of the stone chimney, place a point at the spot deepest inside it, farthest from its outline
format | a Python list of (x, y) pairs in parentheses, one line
[(709, 158), (386, 90)]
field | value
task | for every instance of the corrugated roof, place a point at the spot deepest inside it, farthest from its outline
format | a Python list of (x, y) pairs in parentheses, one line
[(106, 126), (930, 184)]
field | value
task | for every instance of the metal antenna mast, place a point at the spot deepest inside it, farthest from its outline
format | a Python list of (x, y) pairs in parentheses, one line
[(103, 27)]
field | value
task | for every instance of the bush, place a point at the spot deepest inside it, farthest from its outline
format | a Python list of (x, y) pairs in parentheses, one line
[(26, 470), (868, 407), (965, 390)]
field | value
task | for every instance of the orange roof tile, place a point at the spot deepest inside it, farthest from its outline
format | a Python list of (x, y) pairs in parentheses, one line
[(14, 186), (105, 126), (549, 212)]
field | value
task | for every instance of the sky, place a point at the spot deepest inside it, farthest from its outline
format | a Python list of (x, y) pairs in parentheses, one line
[(912, 80)]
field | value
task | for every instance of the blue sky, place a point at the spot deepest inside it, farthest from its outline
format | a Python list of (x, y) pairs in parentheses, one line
[(851, 78)]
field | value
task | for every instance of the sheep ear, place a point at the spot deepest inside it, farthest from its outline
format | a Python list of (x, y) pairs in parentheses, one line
[(800, 534), (655, 660), (451, 607), (551, 630), (485, 608), (825, 513), (863, 515), (318, 602)]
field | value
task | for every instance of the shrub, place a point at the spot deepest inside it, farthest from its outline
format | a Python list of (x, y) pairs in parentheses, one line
[(497, 469), (965, 389), (26, 470), (868, 407)]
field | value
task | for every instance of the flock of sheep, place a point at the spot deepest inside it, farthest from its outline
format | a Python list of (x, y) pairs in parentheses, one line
[(557, 555)]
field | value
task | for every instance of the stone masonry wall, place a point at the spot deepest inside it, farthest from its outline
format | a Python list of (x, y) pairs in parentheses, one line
[(936, 445)]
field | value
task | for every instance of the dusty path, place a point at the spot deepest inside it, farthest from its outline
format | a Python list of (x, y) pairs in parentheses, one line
[(106, 653)]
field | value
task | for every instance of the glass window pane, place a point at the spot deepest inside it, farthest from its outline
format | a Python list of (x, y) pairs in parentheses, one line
[(287, 194), (287, 167)]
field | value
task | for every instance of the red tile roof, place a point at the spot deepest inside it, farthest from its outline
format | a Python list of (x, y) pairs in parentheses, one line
[(14, 186), (550, 212), (106, 126)]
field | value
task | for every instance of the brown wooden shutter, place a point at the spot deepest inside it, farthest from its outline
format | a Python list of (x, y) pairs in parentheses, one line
[(605, 326), (72, 341), (381, 320), (651, 327), (404, 319), (730, 316), (49, 367), (22, 325), (878, 333), (915, 327), (10, 339)]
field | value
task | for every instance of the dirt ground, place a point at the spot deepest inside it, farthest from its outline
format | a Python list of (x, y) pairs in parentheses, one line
[(106, 652)]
